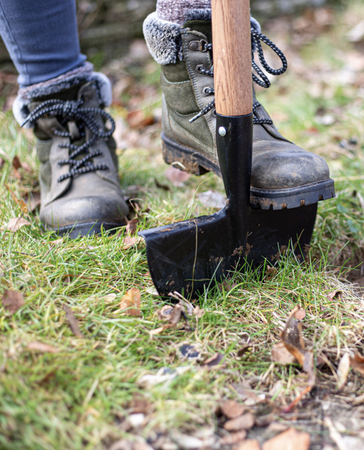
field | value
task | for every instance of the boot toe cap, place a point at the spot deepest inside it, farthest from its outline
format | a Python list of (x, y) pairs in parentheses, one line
[(65, 214), (287, 167)]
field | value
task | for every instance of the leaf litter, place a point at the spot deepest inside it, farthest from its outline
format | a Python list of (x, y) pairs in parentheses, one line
[(12, 300), (72, 321), (130, 303), (16, 223)]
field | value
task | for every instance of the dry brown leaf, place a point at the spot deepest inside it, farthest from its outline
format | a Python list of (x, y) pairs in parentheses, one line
[(232, 409), (12, 300), (173, 316), (357, 363), (139, 119), (281, 355), (335, 295), (41, 347), (244, 422), (293, 340), (300, 314), (165, 313), (2, 162), (343, 371), (176, 176), (176, 315), (129, 242), (19, 201), (288, 440), (131, 302), (198, 312), (16, 223), (160, 329), (214, 360), (16, 163), (131, 227), (32, 200), (233, 438), (249, 444), (72, 321)]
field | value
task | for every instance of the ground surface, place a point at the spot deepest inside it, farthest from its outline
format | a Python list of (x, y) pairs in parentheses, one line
[(114, 382)]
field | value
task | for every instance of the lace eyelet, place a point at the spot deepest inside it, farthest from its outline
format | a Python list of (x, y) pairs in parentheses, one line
[(200, 67)]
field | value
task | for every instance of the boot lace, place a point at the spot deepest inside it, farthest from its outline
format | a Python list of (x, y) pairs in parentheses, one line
[(84, 118), (259, 77)]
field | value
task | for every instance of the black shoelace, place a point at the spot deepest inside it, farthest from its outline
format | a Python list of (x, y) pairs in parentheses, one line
[(84, 118), (259, 77)]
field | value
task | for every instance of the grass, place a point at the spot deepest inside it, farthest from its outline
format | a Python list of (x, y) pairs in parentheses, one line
[(80, 396)]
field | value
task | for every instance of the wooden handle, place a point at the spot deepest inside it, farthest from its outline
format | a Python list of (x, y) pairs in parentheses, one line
[(232, 57)]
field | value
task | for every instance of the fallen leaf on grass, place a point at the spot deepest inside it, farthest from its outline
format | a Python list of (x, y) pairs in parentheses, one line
[(357, 363), (244, 422), (72, 321), (41, 347), (32, 200), (212, 199), (139, 119), (215, 360), (129, 242), (335, 295), (16, 163), (16, 223), (173, 318), (20, 202), (233, 438), (186, 305), (249, 444), (165, 313), (176, 176), (281, 355), (131, 227), (232, 409), (109, 298), (293, 340), (131, 303), (12, 300), (188, 351), (198, 312), (289, 440), (164, 375), (343, 371)]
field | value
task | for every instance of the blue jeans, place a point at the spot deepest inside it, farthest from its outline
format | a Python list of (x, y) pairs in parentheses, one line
[(41, 37)]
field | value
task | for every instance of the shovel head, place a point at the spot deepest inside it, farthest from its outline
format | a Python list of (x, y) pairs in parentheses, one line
[(186, 256)]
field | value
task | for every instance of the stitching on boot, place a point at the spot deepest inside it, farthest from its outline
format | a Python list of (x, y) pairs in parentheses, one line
[(174, 82), (208, 120)]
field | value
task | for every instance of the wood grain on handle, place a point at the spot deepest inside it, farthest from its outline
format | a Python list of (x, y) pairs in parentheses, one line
[(232, 57)]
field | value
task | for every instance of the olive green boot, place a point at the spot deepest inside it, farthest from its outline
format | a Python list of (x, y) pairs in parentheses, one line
[(283, 174), (80, 189)]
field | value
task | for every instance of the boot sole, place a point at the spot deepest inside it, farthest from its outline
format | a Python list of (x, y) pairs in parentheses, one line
[(191, 161), (85, 229)]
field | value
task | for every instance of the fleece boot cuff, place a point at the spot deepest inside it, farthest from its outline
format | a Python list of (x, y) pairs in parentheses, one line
[(55, 86), (163, 38)]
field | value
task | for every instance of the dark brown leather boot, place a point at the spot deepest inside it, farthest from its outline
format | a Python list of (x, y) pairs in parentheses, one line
[(80, 189), (283, 174)]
